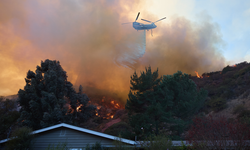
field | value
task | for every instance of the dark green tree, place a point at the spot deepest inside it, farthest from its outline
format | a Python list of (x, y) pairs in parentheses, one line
[(48, 98), (145, 110), (153, 101), (184, 99), (8, 116)]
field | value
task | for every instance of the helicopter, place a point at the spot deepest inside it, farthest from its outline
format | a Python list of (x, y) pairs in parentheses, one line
[(141, 26)]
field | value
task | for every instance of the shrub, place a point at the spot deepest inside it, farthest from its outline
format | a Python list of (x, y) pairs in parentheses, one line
[(207, 132), (226, 69), (159, 142), (216, 76), (20, 139), (242, 71), (238, 109), (244, 113), (120, 128), (217, 104), (119, 145), (244, 116), (8, 116), (184, 147), (96, 146), (98, 120), (59, 146)]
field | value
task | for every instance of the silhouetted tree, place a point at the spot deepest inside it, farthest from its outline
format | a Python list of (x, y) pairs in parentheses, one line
[(145, 110), (8, 116), (43, 100), (20, 139)]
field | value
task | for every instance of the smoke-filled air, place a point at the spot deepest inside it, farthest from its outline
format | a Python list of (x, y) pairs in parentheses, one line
[(95, 49)]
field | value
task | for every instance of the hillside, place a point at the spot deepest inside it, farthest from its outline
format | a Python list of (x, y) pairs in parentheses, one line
[(228, 94), (227, 89)]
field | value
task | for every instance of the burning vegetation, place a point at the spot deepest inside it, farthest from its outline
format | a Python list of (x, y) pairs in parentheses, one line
[(106, 107), (197, 74)]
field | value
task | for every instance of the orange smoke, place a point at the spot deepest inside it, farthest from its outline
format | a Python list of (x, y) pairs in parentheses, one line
[(87, 39)]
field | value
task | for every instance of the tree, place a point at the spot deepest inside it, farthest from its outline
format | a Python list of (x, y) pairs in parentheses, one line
[(45, 95), (8, 116), (20, 139), (207, 132), (145, 110), (154, 101), (183, 99)]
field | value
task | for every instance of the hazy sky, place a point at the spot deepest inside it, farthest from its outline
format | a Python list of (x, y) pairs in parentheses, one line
[(87, 37)]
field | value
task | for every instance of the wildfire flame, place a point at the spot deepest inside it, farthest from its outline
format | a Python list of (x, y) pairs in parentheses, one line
[(106, 107), (77, 108), (197, 74)]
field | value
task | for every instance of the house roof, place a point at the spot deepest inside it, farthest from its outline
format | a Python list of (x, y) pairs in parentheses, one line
[(80, 130)]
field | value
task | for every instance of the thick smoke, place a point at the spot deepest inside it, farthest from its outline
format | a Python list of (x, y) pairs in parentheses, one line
[(186, 46), (95, 49)]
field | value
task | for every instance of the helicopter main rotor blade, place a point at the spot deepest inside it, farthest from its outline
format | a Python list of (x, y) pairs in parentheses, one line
[(127, 23), (146, 20), (160, 19), (137, 16)]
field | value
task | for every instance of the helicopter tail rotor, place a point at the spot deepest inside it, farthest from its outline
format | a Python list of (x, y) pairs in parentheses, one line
[(160, 19), (137, 16)]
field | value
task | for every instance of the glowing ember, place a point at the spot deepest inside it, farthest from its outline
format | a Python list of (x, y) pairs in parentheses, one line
[(77, 108), (117, 105), (197, 74), (105, 107)]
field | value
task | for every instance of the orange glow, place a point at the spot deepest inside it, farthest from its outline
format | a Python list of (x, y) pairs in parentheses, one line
[(197, 74), (89, 49), (77, 108), (109, 116), (112, 102), (117, 105)]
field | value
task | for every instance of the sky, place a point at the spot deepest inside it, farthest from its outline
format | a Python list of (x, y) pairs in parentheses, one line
[(101, 54)]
